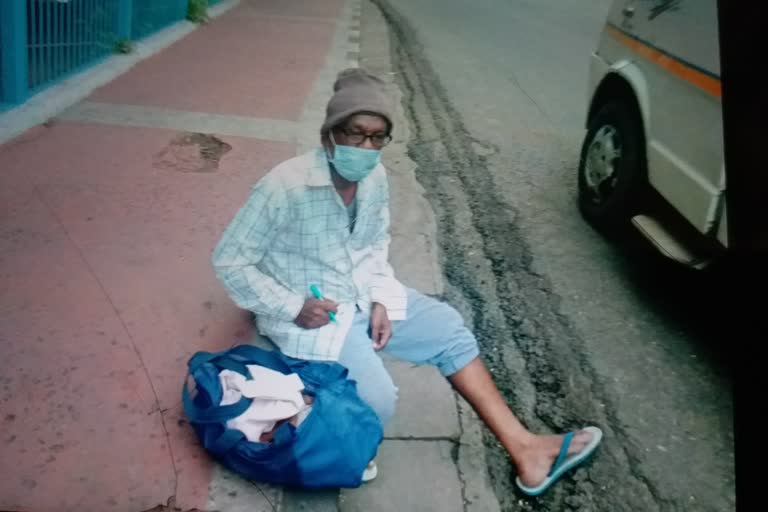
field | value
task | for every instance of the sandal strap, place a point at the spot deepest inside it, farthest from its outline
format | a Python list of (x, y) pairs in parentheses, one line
[(563, 453)]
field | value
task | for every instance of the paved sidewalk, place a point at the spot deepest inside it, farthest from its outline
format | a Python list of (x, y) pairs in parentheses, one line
[(109, 214)]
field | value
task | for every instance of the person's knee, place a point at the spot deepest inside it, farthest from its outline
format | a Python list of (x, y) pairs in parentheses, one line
[(460, 347), (447, 316), (382, 399), (453, 325)]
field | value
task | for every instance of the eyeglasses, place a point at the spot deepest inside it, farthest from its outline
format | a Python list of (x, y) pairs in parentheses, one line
[(378, 139)]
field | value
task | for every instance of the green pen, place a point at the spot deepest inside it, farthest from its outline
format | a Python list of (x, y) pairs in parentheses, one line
[(319, 296)]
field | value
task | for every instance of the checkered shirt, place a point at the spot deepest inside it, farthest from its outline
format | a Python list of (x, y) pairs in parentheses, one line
[(293, 232)]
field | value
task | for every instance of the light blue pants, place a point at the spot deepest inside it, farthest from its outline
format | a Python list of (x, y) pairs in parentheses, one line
[(433, 333)]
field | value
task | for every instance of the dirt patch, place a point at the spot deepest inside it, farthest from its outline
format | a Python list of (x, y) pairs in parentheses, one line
[(192, 152)]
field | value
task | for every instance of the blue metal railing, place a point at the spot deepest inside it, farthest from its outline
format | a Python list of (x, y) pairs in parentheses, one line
[(64, 36), (43, 41), (149, 16), (13, 47), (2, 81)]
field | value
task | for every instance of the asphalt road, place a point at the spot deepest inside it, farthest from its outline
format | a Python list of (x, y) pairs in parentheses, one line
[(577, 330)]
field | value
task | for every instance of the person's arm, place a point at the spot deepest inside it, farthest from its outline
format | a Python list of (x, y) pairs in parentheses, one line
[(242, 247)]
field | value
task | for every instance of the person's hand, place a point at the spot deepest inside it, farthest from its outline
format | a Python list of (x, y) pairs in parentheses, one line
[(381, 327), (314, 313)]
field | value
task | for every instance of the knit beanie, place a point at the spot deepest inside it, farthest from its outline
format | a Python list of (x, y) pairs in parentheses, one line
[(356, 91)]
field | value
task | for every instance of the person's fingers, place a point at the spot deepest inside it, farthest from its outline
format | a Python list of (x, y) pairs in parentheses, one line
[(380, 334), (329, 305), (375, 332), (384, 337), (387, 335), (321, 318)]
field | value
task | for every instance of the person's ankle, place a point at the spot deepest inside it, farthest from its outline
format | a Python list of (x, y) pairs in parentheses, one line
[(524, 443)]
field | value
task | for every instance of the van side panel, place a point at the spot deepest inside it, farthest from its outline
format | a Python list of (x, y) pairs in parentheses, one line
[(685, 133)]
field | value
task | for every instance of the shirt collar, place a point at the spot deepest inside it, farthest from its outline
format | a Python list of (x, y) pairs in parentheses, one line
[(319, 173)]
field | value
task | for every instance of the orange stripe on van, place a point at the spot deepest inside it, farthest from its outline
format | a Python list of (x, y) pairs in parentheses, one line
[(670, 64)]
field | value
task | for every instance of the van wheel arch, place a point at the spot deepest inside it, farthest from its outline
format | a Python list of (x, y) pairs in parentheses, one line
[(614, 113), (614, 87)]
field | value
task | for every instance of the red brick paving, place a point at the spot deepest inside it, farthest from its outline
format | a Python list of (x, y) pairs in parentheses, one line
[(267, 74), (105, 271)]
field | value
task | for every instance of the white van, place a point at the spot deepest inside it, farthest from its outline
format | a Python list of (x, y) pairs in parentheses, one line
[(653, 152)]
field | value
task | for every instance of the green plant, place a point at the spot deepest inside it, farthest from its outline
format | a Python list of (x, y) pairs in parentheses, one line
[(197, 11), (124, 46)]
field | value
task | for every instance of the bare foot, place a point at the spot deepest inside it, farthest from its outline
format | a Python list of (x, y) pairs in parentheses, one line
[(534, 462)]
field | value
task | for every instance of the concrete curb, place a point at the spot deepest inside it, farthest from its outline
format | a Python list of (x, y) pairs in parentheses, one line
[(473, 468), (343, 53), (415, 246), (54, 100)]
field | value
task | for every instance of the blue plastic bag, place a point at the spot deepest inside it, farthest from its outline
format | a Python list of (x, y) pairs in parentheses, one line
[(330, 448)]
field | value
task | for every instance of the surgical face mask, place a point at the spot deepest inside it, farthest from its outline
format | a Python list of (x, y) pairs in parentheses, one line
[(353, 163)]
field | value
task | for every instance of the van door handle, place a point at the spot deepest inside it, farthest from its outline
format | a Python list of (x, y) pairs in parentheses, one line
[(628, 11)]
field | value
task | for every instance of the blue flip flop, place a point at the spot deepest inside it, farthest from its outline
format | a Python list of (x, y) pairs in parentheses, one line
[(564, 462)]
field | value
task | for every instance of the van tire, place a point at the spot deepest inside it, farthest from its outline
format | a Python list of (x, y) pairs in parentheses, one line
[(620, 196)]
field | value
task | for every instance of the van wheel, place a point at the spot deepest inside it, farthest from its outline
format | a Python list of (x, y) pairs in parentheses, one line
[(612, 169)]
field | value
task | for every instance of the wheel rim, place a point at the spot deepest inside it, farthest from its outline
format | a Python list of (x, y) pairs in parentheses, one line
[(600, 171)]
